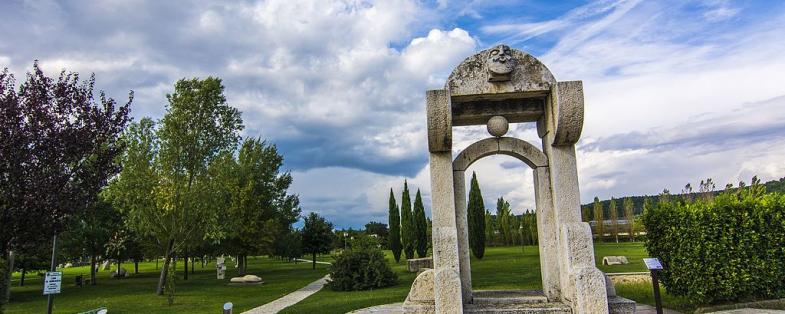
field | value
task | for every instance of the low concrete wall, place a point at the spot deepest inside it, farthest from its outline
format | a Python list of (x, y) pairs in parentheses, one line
[(625, 278), (416, 264)]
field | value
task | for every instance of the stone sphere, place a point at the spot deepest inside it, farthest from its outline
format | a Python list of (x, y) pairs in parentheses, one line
[(498, 126)]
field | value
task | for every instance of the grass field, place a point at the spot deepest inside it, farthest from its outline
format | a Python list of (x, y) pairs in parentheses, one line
[(202, 293), (501, 268)]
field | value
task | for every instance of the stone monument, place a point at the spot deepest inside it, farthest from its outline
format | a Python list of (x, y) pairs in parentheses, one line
[(496, 87)]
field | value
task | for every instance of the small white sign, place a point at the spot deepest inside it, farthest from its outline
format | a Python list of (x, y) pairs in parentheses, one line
[(52, 282), (652, 263)]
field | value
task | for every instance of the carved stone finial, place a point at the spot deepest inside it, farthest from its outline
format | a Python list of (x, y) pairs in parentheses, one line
[(500, 63)]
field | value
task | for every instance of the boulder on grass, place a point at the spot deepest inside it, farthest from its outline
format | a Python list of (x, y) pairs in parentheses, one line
[(615, 260), (246, 279)]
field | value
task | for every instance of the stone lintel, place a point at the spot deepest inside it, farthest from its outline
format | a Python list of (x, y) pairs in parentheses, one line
[(479, 111)]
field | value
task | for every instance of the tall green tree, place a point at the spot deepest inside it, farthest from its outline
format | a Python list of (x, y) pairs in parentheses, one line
[(504, 218), (259, 211), (317, 236), (613, 210), (476, 219), (394, 219), (165, 184), (599, 219), (629, 217), (407, 223), (58, 145), (420, 226)]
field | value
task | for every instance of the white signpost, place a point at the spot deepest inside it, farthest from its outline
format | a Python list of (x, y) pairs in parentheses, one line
[(52, 282)]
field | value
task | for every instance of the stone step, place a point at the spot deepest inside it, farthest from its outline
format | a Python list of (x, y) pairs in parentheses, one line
[(508, 297), (521, 308)]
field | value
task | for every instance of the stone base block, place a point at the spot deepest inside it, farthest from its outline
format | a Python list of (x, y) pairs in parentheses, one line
[(619, 305)]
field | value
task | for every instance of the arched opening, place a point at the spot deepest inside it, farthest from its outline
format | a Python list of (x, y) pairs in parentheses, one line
[(510, 231), (537, 161)]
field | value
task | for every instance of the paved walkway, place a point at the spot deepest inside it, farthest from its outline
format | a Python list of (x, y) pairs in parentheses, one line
[(311, 261), (396, 308), (290, 299)]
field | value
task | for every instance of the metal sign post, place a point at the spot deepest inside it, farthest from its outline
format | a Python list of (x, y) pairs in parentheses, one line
[(53, 279), (654, 266)]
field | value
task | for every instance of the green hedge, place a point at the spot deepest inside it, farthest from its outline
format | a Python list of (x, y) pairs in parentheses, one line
[(726, 249)]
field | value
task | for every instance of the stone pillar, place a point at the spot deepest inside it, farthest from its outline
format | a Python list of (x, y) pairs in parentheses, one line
[(582, 284), (547, 234), (464, 258), (447, 280)]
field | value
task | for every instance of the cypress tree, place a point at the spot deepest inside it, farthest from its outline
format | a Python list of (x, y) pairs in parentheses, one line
[(407, 223), (630, 217), (614, 212), (420, 226), (394, 237), (599, 218), (476, 219)]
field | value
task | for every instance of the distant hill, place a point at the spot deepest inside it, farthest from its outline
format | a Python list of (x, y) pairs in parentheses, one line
[(637, 201)]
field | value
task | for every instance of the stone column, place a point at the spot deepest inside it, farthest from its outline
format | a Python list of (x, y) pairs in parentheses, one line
[(581, 286), (447, 280), (547, 234), (459, 188)]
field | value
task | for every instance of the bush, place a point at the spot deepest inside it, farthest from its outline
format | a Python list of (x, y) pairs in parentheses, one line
[(726, 249), (362, 267)]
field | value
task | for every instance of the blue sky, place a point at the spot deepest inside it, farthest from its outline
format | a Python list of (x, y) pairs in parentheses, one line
[(676, 91)]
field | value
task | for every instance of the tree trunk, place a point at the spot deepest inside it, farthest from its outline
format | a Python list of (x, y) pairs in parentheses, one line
[(245, 263), (185, 263), (164, 270), (240, 265), (92, 269), (193, 264), (136, 267), (118, 267), (314, 260), (22, 278), (10, 271)]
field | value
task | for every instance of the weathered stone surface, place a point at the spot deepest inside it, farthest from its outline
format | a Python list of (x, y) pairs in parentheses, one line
[(422, 289), (447, 291), (414, 265), (523, 151), (497, 126), (610, 289), (568, 112), (548, 243), (470, 79), (619, 305), (510, 146), (439, 121), (590, 295), (615, 260), (461, 215)]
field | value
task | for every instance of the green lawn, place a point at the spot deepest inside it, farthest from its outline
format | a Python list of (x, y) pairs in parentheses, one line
[(202, 293), (501, 268)]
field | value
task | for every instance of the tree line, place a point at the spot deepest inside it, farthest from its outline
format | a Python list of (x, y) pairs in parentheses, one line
[(182, 187)]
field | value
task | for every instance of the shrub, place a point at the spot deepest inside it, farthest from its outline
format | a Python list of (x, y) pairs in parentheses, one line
[(362, 267), (726, 249)]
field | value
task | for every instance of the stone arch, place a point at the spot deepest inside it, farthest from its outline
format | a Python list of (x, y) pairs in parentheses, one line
[(520, 149), (538, 161)]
